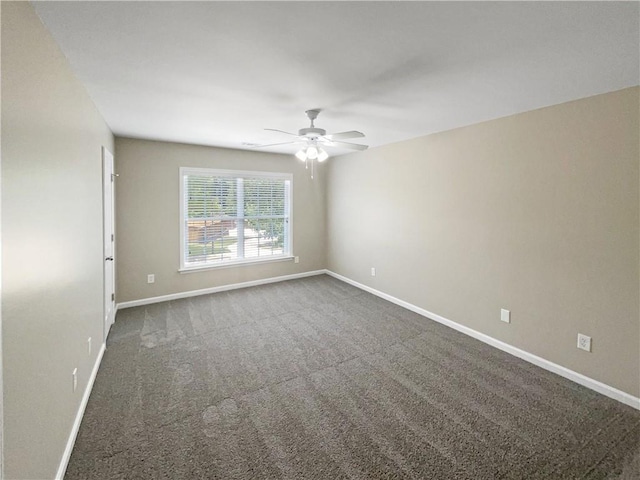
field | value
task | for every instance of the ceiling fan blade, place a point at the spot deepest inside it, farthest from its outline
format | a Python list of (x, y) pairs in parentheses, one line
[(281, 131), (273, 144), (343, 135), (352, 146)]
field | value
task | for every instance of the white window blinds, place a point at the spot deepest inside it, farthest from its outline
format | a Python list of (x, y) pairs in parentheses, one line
[(232, 217)]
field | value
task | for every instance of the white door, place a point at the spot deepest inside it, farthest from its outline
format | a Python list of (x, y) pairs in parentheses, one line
[(109, 237)]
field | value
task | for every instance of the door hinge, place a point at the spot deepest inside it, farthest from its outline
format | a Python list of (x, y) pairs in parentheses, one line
[(113, 297), (112, 238)]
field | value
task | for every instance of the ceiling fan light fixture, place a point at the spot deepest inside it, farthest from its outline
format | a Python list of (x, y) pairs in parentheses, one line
[(322, 155), (301, 155)]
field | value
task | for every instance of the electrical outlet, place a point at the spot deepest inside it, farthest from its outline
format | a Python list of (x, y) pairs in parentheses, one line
[(89, 345), (74, 377), (505, 315), (584, 342), (151, 278), (296, 259), (373, 271)]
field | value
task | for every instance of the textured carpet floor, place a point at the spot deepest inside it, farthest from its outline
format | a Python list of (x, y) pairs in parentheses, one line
[(315, 379)]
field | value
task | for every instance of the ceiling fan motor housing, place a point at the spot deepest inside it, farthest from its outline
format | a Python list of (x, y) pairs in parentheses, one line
[(311, 132)]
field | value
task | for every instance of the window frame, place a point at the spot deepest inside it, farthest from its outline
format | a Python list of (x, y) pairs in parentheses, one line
[(215, 172)]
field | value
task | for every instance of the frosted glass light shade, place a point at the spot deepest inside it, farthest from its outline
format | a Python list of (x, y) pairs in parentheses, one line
[(322, 155), (312, 153)]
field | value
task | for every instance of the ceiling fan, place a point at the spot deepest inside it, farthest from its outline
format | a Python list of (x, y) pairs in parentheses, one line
[(313, 139)]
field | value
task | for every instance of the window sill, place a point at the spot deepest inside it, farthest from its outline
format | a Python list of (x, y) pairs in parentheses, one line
[(235, 263)]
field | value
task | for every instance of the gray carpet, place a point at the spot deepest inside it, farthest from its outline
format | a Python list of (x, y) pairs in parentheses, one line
[(315, 379)]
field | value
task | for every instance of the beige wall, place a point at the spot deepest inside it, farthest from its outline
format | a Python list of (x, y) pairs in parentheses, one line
[(536, 213), (51, 243), (148, 217)]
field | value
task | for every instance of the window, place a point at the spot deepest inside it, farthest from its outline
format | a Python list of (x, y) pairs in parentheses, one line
[(230, 217)]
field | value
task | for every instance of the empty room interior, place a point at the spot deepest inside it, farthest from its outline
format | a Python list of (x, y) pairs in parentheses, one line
[(320, 240)]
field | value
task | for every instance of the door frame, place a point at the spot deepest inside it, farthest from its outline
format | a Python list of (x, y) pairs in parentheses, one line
[(108, 238)]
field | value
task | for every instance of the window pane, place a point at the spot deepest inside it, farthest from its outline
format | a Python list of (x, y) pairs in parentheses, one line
[(211, 240), (211, 196), (263, 197)]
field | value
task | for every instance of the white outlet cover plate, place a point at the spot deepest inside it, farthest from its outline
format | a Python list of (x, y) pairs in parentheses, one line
[(584, 342), (505, 315), (151, 278)]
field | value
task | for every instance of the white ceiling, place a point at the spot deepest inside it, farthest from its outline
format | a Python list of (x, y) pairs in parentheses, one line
[(218, 73)]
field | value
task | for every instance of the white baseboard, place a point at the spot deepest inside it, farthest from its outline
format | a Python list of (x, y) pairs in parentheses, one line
[(64, 462), (222, 288), (579, 378)]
